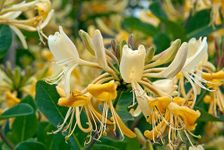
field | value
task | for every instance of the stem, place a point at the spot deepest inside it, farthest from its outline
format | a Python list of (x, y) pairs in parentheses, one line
[(6, 140)]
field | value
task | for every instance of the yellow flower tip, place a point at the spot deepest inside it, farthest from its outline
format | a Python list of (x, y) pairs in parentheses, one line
[(11, 98), (207, 99), (214, 76), (161, 103), (179, 75), (47, 55), (60, 91), (122, 35), (75, 99), (179, 100), (103, 92), (188, 115), (43, 7)]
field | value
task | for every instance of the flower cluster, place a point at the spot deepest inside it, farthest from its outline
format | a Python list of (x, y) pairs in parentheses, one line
[(157, 81), (38, 13)]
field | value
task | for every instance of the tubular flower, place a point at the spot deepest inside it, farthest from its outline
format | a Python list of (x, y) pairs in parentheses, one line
[(215, 98), (66, 55), (134, 70), (164, 102), (105, 94), (172, 116), (78, 102), (11, 11)]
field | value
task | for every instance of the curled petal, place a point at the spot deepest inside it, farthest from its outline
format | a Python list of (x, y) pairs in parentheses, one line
[(103, 92), (177, 64), (188, 115)]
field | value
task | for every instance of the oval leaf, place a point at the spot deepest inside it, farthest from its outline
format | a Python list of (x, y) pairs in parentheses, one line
[(28, 145), (18, 110), (5, 39)]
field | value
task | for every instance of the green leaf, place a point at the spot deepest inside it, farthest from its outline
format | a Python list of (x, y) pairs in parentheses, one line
[(205, 116), (158, 11), (51, 141), (5, 40), (162, 41), (171, 28), (30, 145), (24, 57), (204, 31), (123, 101), (16, 111), (199, 20), (112, 142), (47, 98), (132, 143), (103, 147), (25, 127), (132, 23)]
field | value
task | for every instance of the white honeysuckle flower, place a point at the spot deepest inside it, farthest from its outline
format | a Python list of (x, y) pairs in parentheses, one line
[(62, 47), (132, 64), (192, 69), (197, 54), (131, 69), (66, 55)]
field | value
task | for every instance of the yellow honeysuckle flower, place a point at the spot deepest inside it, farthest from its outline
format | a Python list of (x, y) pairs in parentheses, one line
[(105, 93), (76, 99), (211, 76), (171, 114), (216, 97), (188, 115), (11, 99), (76, 102)]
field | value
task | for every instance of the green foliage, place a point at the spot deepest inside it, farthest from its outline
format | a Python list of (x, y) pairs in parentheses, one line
[(24, 57), (5, 40), (132, 23), (47, 98), (17, 111), (25, 127), (124, 100), (28, 145)]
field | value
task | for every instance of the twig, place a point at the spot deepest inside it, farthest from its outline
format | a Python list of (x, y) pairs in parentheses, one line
[(5, 139)]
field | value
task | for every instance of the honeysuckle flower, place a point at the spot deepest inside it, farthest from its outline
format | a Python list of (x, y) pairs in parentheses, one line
[(11, 99), (216, 97), (78, 102), (11, 11), (133, 70), (132, 64), (66, 55), (106, 93), (172, 117)]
